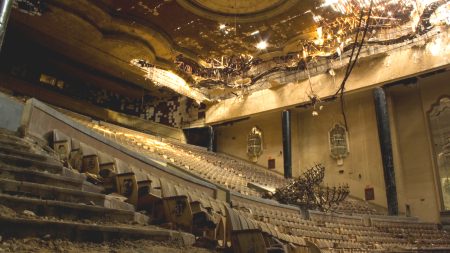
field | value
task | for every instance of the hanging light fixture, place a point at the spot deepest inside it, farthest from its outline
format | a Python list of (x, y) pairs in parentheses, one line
[(262, 45)]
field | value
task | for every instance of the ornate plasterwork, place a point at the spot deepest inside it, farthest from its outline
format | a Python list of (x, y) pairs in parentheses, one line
[(108, 41), (338, 142), (254, 143), (237, 11)]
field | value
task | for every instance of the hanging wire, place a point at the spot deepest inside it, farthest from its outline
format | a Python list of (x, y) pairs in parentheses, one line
[(352, 62)]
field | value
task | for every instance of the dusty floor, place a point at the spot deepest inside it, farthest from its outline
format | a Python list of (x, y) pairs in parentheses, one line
[(47, 245), (60, 246)]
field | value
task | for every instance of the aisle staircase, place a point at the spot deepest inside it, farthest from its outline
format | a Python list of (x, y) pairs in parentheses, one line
[(47, 199)]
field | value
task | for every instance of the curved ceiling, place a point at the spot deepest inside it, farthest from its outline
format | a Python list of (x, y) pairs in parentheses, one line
[(109, 34), (237, 11), (238, 7), (113, 32)]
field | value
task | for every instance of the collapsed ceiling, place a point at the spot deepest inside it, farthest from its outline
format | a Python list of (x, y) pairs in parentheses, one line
[(213, 49)]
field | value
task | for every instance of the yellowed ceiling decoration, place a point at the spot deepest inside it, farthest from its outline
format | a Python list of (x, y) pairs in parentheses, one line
[(386, 22), (231, 57), (163, 49), (238, 11), (168, 79)]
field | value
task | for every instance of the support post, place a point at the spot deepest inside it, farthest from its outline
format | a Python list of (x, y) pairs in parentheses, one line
[(212, 139), (384, 134), (5, 10), (287, 151)]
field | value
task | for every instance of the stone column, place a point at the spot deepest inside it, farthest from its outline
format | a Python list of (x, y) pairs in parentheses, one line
[(287, 151), (384, 134), (212, 140)]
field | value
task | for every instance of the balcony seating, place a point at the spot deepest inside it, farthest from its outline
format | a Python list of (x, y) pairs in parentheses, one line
[(272, 227)]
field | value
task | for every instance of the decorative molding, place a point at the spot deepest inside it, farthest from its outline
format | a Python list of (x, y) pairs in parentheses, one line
[(338, 143), (254, 143), (269, 10), (161, 48)]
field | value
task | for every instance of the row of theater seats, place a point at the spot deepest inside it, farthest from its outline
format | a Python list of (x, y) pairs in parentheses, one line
[(274, 228), (245, 169), (385, 232), (224, 171), (331, 232), (351, 206), (221, 169), (100, 167), (172, 204)]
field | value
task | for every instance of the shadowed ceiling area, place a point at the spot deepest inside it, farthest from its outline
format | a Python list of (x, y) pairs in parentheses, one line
[(219, 48)]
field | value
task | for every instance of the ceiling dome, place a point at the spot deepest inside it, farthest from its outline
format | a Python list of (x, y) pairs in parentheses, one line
[(237, 10)]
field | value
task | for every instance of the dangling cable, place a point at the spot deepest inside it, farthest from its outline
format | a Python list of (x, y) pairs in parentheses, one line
[(355, 44), (352, 62)]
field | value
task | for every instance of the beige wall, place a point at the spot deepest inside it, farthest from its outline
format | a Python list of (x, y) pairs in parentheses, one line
[(363, 165), (310, 143), (413, 160), (232, 139)]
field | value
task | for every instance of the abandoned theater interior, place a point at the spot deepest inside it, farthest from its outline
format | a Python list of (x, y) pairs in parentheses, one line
[(248, 126)]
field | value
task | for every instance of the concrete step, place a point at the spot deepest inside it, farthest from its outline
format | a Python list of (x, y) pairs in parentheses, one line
[(14, 144), (71, 211), (30, 144), (11, 136), (11, 227), (7, 150), (24, 162), (43, 163), (14, 141), (75, 181), (48, 192)]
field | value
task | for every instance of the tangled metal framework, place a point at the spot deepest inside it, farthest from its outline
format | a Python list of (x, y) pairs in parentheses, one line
[(308, 192), (165, 78), (390, 22), (218, 70)]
